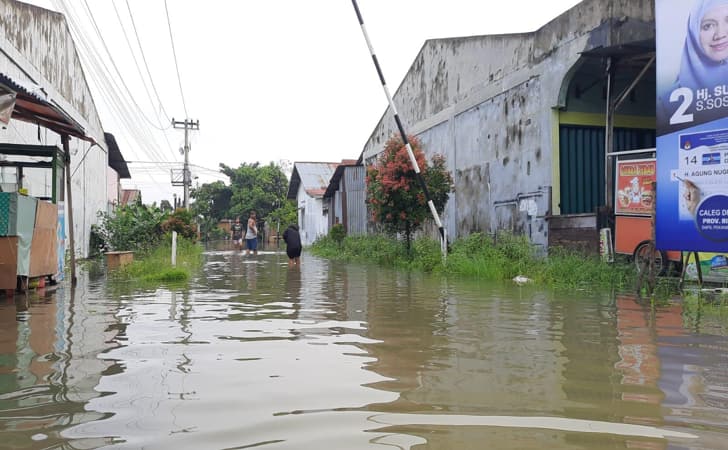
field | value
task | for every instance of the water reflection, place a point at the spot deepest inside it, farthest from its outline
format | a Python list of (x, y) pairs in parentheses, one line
[(329, 355)]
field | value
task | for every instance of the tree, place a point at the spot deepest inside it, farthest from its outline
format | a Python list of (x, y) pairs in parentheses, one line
[(394, 195), (256, 187), (212, 200), (286, 214)]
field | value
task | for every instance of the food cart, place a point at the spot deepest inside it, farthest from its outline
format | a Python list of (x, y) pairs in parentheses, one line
[(634, 200)]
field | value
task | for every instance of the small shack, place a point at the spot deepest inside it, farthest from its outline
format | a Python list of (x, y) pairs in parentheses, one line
[(29, 241)]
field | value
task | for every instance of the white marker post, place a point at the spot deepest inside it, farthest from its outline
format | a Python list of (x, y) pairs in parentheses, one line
[(174, 249)]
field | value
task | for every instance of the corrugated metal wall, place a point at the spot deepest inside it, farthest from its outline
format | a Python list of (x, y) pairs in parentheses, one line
[(338, 211), (356, 208), (581, 161)]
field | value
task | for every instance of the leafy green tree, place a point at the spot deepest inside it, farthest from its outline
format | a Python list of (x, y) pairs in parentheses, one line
[(255, 187), (212, 201), (285, 214), (394, 195)]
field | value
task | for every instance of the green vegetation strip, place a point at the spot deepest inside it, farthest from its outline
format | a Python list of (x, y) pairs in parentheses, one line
[(483, 257), (155, 265)]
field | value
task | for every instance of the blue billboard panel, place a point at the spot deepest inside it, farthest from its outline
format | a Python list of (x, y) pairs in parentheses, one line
[(692, 125)]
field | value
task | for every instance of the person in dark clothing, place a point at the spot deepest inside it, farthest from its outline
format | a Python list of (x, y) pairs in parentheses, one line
[(236, 233), (293, 245)]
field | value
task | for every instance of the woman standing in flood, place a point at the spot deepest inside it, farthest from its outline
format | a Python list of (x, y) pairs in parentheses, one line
[(251, 235)]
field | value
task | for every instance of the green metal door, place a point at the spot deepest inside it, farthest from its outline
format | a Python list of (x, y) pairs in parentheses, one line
[(581, 162)]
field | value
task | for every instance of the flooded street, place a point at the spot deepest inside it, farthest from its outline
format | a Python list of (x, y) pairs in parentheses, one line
[(342, 356)]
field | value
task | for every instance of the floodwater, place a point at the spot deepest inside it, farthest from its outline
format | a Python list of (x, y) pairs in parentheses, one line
[(254, 354)]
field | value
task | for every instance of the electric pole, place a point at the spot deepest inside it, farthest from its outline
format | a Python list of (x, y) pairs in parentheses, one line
[(188, 125)]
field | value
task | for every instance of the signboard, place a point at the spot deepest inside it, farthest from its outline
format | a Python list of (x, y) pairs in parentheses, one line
[(692, 125), (634, 195)]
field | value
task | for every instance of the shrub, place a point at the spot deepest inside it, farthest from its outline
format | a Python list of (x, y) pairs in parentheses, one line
[(132, 227), (181, 222), (337, 233)]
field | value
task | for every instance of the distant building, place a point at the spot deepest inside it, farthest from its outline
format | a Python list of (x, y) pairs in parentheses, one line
[(345, 198), (117, 171), (308, 184), (130, 196), (520, 118)]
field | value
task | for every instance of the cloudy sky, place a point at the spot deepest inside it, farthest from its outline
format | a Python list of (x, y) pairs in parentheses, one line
[(268, 80)]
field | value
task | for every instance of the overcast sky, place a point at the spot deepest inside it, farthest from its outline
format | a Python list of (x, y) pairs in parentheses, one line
[(268, 80)]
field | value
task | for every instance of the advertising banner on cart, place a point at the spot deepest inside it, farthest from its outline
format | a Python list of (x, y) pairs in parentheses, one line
[(634, 187), (692, 125)]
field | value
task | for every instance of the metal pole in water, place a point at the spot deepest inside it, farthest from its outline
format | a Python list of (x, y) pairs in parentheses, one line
[(420, 179), (174, 249)]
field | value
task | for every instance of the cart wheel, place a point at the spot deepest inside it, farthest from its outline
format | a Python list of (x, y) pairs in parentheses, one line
[(640, 257)]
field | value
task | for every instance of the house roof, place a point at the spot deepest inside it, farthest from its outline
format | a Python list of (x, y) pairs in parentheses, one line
[(314, 176), (116, 159), (129, 196), (336, 178)]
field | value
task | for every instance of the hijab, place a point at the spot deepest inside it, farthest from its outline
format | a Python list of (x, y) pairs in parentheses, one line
[(697, 70)]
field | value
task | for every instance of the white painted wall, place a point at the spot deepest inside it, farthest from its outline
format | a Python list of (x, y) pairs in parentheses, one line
[(312, 222)]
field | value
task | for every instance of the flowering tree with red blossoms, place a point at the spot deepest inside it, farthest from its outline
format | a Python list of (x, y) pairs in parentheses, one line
[(394, 195)]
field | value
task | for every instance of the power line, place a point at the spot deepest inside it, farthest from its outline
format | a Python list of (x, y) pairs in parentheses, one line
[(144, 59), (176, 65), (139, 71), (117, 104), (113, 63), (136, 63)]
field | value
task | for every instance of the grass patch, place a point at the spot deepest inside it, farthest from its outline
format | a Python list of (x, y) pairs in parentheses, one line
[(483, 257), (155, 266)]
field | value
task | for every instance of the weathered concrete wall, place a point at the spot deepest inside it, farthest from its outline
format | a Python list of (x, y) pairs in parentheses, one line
[(37, 51), (487, 103)]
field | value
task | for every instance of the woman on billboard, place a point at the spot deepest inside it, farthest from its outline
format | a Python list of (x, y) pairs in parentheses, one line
[(706, 46), (700, 93)]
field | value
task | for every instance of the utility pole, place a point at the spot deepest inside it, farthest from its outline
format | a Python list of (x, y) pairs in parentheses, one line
[(188, 125)]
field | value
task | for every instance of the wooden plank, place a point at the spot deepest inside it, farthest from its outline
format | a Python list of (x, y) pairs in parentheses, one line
[(8, 262), (44, 246)]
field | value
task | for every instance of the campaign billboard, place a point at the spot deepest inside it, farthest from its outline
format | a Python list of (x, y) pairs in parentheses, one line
[(692, 125)]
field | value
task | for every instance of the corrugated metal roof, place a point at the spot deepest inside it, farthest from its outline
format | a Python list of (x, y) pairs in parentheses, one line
[(314, 176), (31, 106), (333, 185), (129, 196)]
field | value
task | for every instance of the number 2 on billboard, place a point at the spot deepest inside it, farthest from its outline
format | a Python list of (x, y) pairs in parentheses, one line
[(687, 99)]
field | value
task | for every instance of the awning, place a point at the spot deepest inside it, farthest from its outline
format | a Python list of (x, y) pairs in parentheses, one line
[(116, 159), (31, 106)]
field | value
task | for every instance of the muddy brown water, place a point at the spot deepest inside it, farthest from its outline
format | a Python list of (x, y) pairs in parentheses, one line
[(253, 354)]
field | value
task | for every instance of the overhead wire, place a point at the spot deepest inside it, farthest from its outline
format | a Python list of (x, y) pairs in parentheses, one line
[(108, 88), (176, 64), (123, 106), (113, 63), (141, 77), (144, 59)]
